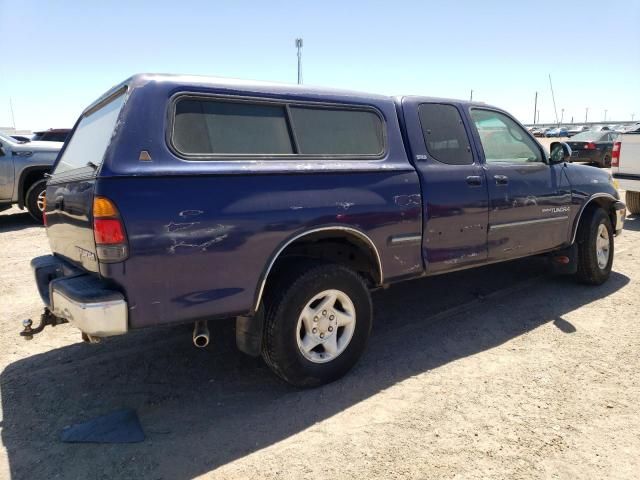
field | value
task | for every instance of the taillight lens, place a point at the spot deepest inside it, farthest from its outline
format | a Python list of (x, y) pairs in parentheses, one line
[(590, 146), (108, 231), (615, 154)]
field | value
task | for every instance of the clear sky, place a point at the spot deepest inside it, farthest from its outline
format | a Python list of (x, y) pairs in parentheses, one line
[(58, 56)]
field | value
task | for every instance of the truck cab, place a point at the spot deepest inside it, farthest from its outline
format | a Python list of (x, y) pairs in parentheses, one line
[(189, 199)]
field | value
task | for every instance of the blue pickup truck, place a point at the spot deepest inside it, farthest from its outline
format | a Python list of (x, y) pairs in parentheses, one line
[(191, 199)]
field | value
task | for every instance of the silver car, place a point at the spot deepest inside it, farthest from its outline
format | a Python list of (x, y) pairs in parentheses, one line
[(22, 173)]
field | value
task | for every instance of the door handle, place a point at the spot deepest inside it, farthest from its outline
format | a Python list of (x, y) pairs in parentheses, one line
[(501, 179), (474, 180)]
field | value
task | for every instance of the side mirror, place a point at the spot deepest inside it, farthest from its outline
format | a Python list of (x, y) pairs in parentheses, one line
[(560, 152)]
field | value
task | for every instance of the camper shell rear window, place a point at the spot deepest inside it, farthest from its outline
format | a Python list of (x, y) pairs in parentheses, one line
[(88, 144)]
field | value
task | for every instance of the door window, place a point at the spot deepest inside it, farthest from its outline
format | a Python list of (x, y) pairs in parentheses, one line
[(444, 134), (503, 140)]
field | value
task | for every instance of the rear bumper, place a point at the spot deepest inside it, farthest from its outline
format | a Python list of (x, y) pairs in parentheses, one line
[(628, 181), (83, 299), (593, 156)]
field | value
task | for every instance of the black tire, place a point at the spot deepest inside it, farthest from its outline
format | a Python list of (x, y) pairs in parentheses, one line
[(632, 199), (606, 162), (589, 271), (31, 199), (284, 303)]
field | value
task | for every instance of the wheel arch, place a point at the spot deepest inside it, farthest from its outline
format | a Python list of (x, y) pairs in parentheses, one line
[(605, 201), (28, 177), (331, 234)]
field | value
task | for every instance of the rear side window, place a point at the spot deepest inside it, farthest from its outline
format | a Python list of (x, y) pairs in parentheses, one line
[(91, 137), (214, 127), (444, 134), (211, 127), (324, 131)]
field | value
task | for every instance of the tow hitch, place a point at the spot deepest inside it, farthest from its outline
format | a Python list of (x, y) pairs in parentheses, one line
[(47, 318)]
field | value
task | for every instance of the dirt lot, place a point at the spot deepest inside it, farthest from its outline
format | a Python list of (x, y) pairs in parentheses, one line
[(500, 372)]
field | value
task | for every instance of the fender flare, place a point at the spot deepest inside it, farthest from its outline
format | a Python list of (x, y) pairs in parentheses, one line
[(23, 175), (354, 232), (584, 207)]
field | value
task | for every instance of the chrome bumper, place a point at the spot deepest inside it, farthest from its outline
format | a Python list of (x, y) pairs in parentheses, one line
[(621, 213), (85, 300)]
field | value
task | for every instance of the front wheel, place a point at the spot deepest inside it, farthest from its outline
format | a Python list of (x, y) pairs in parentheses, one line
[(317, 324), (35, 199), (595, 249)]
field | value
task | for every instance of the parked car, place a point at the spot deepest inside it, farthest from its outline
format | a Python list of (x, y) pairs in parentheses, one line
[(600, 128), (625, 167), (635, 128), (557, 132), (542, 131), (593, 147), (206, 199), (576, 130), (22, 169), (52, 135)]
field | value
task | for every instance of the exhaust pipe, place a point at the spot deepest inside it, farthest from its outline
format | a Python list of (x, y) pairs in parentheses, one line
[(200, 334)]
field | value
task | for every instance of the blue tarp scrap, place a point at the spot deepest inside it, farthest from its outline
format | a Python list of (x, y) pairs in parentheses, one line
[(121, 426)]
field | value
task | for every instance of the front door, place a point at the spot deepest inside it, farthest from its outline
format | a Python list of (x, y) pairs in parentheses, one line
[(529, 199), (6, 171), (453, 187)]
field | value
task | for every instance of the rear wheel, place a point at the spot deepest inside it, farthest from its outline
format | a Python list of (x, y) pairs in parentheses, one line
[(595, 249), (632, 199), (317, 324), (606, 162), (35, 198)]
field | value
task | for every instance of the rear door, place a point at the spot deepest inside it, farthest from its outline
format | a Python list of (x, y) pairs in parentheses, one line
[(529, 199), (70, 190), (453, 187)]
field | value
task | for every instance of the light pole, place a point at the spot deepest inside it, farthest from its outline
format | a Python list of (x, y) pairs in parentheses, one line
[(586, 114), (605, 115), (299, 47), (561, 115)]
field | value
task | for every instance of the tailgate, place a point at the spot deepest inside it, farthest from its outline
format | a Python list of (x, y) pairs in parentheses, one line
[(69, 222), (629, 154), (71, 189)]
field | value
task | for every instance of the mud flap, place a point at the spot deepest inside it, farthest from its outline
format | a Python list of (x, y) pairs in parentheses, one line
[(565, 261), (249, 332)]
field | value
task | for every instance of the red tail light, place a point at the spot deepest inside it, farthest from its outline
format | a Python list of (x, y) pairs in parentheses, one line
[(108, 231), (615, 154), (590, 146)]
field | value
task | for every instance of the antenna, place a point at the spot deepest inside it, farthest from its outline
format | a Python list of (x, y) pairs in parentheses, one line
[(13, 118), (554, 100)]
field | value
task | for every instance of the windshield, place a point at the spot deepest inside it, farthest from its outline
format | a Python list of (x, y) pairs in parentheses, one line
[(589, 136), (91, 138)]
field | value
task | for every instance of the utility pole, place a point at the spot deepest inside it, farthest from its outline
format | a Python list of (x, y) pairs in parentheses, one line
[(554, 100), (471, 97), (535, 107), (13, 118), (605, 115), (299, 47), (571, 118), (561, 115), (586, 114), (538, 117)]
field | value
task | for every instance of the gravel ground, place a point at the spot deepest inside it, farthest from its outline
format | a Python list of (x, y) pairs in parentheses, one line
[(498, 372)]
